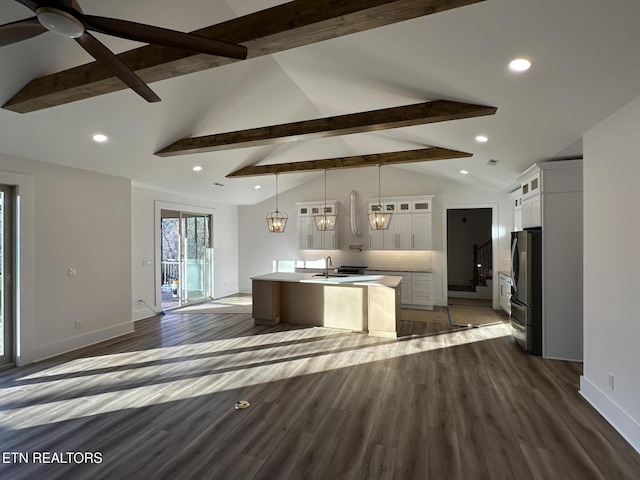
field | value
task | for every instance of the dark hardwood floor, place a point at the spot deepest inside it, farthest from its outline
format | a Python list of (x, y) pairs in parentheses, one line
[(442, 402)]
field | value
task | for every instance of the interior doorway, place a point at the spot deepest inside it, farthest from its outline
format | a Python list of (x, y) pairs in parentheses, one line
[(470, 254), (7, 261), (186, 259)]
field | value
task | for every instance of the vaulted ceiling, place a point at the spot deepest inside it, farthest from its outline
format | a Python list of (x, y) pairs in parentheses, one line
[(585, 67)]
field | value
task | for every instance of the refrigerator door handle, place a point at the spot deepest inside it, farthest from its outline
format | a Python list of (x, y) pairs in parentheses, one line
[(514, 286)]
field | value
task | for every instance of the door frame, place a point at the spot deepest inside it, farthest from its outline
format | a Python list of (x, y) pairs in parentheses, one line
[(495, 233), (23, 278), (180, 207), (8, 261)]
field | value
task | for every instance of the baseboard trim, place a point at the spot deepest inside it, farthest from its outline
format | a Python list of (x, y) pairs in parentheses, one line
[(53, 349), (616, 416), (144, 313)]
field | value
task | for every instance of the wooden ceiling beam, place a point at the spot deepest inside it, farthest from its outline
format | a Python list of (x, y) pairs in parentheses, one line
[(387, 118), (290, 25), (391, 158)]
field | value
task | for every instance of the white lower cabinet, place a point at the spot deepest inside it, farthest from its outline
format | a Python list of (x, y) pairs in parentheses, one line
[(421, 289), (415, 288), (505, 292)]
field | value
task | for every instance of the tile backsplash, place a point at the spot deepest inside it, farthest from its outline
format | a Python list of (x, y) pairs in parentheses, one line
[(373, 259)]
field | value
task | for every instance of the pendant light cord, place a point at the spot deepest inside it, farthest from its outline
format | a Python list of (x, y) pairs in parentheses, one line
[(379, 200), (324, 211), (276, 192)]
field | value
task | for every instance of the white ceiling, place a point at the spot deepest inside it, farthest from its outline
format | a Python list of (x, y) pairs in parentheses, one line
[(585, 66)]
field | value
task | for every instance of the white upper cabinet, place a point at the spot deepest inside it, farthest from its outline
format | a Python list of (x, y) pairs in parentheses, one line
[(410, 226), (309, 237), (517, 210), (531, 201)]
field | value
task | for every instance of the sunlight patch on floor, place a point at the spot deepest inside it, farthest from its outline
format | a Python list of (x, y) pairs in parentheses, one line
[(144, 378)]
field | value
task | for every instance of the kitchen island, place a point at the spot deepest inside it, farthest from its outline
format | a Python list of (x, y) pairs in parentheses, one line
[(365, 303)]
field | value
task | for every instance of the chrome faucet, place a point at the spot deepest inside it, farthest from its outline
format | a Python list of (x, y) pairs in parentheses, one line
[(327, 263)]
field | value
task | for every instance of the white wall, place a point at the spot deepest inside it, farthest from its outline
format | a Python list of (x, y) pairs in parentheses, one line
[(611, 270), (258, 248), (145, 278), (70, 218)]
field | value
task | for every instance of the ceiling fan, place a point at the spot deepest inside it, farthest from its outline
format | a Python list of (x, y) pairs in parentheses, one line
[(65, 17)]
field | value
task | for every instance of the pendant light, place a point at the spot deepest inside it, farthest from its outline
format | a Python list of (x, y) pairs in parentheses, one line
[(378, 218), (325, 220), (277, 221)]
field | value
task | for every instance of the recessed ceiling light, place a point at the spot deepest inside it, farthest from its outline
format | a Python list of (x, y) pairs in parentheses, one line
[(482, 139), (519, 65), (464, 172), (100, 138), (197, 168), (257, 187)]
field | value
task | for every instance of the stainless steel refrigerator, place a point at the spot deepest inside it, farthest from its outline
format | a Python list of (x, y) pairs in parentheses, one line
[(526, 289)]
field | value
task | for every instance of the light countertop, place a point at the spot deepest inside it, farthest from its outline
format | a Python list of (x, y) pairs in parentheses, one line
[(360, 280), (402, 270)]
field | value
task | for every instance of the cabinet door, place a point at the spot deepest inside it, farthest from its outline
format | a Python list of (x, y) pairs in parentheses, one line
[(517, 219), (329, 240), (503, 292), (403, 235), (536, 211), (376, 239), (305, 224), (421, 231), (421, 289), (390, 235), (526, 214), (532, 212)]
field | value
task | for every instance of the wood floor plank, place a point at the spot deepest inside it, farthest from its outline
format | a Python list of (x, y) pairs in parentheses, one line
[(439, 402)]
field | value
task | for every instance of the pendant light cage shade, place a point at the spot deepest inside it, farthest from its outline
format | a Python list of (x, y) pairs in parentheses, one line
[(277, 221), (326, 220), (379, 219)]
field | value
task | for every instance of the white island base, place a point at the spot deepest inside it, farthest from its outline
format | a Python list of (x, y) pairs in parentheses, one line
[(364, 304)]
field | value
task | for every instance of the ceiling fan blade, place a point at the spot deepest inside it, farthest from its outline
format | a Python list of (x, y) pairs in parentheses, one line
[(20, 30), (30, 4), (107, 58), (162, 36)]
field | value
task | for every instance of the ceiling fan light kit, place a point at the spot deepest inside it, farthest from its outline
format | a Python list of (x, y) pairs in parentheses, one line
[(60, 22)]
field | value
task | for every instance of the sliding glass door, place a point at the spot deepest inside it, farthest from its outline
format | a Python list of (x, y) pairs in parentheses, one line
[(7, 335), (195, 284), (186, 258)]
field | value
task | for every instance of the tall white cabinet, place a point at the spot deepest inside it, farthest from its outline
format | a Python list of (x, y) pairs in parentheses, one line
[(310, 238), (410, 227), (555, 205)]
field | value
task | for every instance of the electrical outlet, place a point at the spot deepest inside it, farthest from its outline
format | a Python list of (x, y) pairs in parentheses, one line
[(72, 272), (78, 324), (611, 385)]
